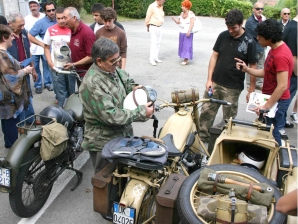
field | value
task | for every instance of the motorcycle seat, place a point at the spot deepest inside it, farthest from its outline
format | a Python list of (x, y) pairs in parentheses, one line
[(172, 150)]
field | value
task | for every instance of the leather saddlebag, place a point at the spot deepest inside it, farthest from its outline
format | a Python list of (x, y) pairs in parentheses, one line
[(166, 212), (104, 192)]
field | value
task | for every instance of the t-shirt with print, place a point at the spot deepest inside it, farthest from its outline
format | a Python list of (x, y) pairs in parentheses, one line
[(278, 60), (57, 37), (80, 44), (228, 48)]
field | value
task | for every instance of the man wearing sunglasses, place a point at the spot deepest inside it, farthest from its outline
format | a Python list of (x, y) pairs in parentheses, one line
[(102, 93), (39, 29), (285, 17), (250, 26)]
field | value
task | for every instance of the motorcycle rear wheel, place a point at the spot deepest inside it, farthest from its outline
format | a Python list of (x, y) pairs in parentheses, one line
[(31, 192), (187, 202), (148, 207)]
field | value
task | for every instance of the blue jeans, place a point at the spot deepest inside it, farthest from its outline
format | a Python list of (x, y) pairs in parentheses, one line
[(27, 113), (279, 120), (47, 80), (293, 90), (64, 85)]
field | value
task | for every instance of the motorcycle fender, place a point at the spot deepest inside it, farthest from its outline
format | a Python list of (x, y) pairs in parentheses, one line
[(179, 125), (17, 152), (73, 103), (133, 194)]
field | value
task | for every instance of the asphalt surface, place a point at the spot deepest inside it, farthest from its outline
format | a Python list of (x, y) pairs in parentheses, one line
[(71, 207)]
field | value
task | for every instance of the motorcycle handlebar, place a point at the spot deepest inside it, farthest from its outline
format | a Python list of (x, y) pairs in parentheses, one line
[(70, 72), (166, 104)]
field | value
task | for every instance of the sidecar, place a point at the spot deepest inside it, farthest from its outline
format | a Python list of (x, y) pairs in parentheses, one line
[(248, 152)]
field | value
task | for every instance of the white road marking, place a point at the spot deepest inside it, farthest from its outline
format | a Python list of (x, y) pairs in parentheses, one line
[(59, 185)]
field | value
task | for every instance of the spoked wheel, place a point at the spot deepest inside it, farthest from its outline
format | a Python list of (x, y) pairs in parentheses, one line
[(189, 195), (32, 185), (148, 207)]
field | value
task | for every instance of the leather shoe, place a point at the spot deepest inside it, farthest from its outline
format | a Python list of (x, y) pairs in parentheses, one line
[(288, 124), (49, 88), (38, 90)]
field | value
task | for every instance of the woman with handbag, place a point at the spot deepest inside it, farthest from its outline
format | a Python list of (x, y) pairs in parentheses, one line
[(186, 22), (14, 89)]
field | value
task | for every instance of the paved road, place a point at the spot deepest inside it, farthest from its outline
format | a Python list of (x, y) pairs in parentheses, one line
[(74, 207)]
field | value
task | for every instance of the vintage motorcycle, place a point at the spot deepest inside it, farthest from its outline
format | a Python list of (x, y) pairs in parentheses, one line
[(24, 174), (246, 152), (138, 182)]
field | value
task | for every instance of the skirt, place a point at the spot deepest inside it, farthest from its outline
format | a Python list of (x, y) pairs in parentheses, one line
[(185, 46)]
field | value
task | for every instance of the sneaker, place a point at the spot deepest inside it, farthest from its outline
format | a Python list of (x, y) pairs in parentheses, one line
[(158, 60), (293, 116), (288, 124), (282, 131), (152, 62)]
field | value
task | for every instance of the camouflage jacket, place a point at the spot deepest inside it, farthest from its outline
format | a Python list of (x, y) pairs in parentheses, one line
[(14, 89), (102, 95)]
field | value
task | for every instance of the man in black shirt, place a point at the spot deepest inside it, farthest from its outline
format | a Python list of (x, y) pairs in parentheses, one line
[(225, 80)]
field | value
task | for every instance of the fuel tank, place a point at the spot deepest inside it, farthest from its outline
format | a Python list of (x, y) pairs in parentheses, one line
[(179, 125), (73, 103)]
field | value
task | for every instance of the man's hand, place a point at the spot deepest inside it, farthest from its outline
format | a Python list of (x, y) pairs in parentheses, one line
[(150, 109), (34, 75), (28, 69), (257, 110), (247, 96), (240, 65), (68, 66), (148, 28), (208, 85)]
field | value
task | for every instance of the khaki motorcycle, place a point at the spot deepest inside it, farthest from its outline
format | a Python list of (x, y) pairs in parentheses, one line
[(246, 173), (126, 190)]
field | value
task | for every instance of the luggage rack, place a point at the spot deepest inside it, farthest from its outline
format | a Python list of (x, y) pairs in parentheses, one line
[(23, 128)]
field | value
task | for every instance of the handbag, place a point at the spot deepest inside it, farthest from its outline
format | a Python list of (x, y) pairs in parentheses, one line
[(197, 26)]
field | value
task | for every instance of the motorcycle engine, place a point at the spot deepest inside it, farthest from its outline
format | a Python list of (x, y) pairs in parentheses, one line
[(76, 139)]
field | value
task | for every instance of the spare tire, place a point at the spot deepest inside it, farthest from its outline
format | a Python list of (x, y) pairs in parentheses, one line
[(185, 202)]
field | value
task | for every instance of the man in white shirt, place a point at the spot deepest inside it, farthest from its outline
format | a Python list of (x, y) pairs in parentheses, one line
[(55, 37), (35, 50)]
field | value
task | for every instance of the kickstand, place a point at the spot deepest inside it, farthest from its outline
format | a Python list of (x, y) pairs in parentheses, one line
[(79, 175)]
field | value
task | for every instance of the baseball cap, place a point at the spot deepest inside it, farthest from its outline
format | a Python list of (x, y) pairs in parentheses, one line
[(33, 1)]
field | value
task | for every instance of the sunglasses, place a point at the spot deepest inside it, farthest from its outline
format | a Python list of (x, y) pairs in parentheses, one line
[(287, 13), (258, 9), (51, 10)]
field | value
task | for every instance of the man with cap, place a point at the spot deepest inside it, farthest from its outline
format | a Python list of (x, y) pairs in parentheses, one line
[(36, 35), (36, 51)]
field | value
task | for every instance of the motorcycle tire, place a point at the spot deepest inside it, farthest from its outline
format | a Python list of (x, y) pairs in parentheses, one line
[(148, 207), (30, 192), (186, 206)]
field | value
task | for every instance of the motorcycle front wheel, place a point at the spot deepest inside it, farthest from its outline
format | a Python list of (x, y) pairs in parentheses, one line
[(189, 194), (31, 190)]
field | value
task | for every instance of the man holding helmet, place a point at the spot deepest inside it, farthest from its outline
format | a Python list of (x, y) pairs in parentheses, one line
[(102, 93)]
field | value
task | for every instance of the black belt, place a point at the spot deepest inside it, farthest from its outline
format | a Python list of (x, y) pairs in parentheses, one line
[(154, 25)]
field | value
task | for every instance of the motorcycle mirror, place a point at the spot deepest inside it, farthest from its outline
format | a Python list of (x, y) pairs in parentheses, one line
[(64, 50)]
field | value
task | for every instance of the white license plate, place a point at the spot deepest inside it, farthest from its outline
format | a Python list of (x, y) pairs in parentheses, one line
[(123, 215), (4, 177)]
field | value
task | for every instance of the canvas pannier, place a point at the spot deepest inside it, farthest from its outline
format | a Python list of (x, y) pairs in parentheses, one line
[(54, 138)]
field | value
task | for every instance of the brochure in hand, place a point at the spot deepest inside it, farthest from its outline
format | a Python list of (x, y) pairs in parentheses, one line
[(259, 99)]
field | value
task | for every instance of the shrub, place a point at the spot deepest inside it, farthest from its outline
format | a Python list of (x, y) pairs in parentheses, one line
[(107, 3), (78, 4), (133, 8)]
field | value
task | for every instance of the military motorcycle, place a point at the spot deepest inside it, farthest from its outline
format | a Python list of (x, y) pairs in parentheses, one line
[(138, 182), (244, 153), (24, 174)]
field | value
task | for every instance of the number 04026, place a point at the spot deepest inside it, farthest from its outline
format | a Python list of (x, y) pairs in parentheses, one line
[(123, 215), (5, 177)]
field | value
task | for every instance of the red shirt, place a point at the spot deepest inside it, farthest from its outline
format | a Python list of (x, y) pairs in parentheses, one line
[(80, 44), (278, 60), (21, 49)]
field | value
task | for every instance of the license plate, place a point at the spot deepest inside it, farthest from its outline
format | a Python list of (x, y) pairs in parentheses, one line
[(123, 215), (4, 177)]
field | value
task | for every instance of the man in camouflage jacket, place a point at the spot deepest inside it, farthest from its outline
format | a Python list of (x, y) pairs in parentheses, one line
[(102, 93)]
